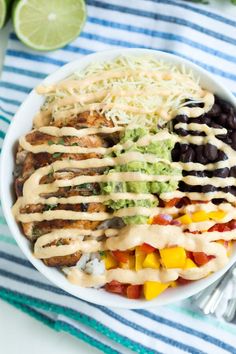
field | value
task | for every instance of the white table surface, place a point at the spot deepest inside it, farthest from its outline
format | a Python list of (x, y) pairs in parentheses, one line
[(30, 336)]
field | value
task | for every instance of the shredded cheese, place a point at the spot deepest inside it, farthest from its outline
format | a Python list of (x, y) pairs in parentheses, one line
[(128, 90)]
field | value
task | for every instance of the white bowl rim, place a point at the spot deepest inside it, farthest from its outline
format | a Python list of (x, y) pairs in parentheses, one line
[(100, 297)]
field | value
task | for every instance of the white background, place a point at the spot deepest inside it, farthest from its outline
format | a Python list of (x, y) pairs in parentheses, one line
[(20, 333)]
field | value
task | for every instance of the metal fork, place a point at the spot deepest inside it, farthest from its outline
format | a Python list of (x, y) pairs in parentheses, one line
[(208, 300)]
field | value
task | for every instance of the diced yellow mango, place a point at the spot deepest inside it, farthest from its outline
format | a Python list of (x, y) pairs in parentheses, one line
[(139, 258), (189, 264), (185, 219), (152, 260), (200, 216), (150, 220), (173, 257), (109, 261), (173, 284), (152, 289), (217, 215), (128, 265)]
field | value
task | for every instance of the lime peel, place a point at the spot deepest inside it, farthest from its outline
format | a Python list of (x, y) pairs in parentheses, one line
[(4, 10), (48, 25)]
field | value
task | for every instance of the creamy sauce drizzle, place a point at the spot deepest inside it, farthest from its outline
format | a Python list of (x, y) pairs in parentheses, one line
[(131, 236), (168, 236)]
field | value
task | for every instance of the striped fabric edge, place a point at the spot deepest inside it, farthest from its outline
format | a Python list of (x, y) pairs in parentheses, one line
[(24, 89), (199, 10), (186, 329), (147, 32), (23, 262), (153, 15), (58, 325), (213, 340), (33, 302), (114, 42), (112, 314)]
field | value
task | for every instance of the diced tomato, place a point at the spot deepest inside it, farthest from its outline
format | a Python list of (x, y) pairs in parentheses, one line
[(134, 291), (115, 287), (189, 255), (172, 202), (232, 224), (121, 256), (199, 201), (161, 219), (183, 281), (201, 258), (146, 248), (219, 228)]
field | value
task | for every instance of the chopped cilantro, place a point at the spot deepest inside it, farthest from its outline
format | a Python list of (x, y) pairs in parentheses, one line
[(102, 253), (35, 232), (56, 155), (75, 144), (50, 142), (50, 207), (59, 242), (84, 186), (61, 141)]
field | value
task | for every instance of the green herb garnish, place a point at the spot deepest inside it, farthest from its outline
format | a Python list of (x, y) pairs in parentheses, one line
[(59, 243), (36, 232), (84, 186), (50, 207), (61, 141), (56, 155), (50, 142), (102, 253)]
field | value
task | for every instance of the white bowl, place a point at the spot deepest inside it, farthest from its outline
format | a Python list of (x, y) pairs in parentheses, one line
[(22, 124)]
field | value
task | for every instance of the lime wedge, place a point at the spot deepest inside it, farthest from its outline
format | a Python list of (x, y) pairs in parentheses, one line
[(4, 9), (48, 24)]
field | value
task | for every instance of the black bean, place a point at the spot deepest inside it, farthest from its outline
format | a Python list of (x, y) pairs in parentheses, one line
[(221, 156), (231, 121), (215, 125), (222, 118), (175, 155), (187, 188), (221, 172), (206, 120), (181, 132), (227, 139), (225, 106), (187, 156), (233, 190), (215, 110), (199, 155), (217, 201), (233, 137), (230, 189), (210, 152), (196, 133), (208, 188), (182, 118), (84, 207), (221, 136), (184, 147), (198, 120), (233, 171)]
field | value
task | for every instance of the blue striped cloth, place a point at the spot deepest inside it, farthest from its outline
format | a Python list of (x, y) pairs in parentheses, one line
[(190, 31)]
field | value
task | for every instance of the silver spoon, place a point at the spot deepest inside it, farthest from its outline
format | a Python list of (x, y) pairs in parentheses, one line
[(230, 311), (208, 300)]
